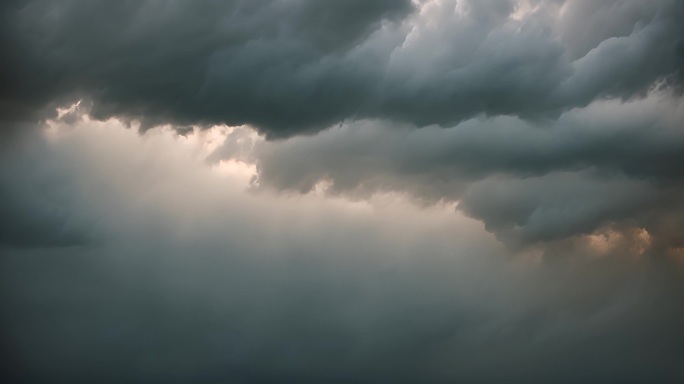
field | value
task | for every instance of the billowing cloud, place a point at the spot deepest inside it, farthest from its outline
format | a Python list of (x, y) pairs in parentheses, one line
[(610, 162), (292, 66), (364, 191), (179, 61)]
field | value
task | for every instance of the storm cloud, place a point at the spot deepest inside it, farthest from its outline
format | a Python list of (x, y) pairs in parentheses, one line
[(191, 275), (293, 66), (609, 163), (342, 191)]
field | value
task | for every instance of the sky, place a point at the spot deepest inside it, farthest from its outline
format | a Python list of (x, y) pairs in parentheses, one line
[(342, 191)]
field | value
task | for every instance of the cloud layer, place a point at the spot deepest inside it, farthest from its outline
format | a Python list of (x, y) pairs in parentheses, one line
[(611, 163), (293, 66), (345, 191), (187, 274)]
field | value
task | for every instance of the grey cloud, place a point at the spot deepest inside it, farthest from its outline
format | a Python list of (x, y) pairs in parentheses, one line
[(608, 162), (208, 311), (619, 65), (38, 205), (128, 258), (288, 67), (585, 24), (197, 280), (153, 60), (556, 206)]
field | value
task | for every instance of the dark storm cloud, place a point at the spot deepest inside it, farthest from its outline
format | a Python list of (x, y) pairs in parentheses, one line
[(609, 162), (289, 66), (641, 139), (557, 206), (194, 62), (556, 126)]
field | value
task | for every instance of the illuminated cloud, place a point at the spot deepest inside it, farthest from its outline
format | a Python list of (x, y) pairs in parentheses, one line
[(188, 273)]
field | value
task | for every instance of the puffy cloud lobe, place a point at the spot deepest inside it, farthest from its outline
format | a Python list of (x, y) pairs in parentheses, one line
[(287, 66), (556, 206), (605, 163)]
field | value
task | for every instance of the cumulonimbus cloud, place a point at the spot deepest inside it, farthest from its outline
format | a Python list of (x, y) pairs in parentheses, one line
[(440, 99), (343, 191), (609, 163), (293, 66)]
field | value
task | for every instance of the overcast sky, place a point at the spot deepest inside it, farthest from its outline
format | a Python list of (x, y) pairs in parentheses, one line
[(342, 191)]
